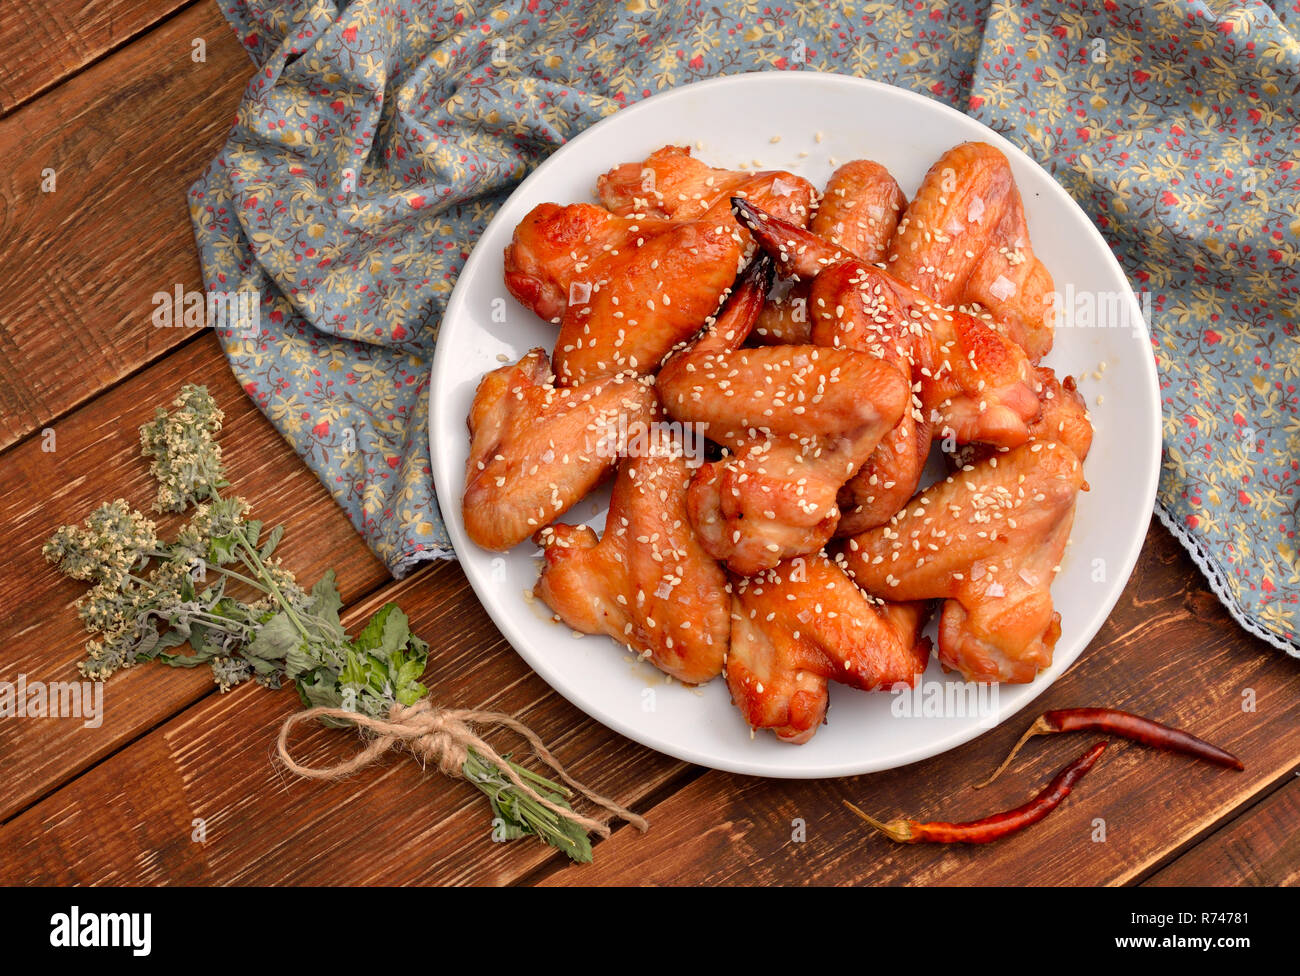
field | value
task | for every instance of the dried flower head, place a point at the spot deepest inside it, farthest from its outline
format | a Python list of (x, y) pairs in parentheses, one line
[(183, 446), (112, 541)]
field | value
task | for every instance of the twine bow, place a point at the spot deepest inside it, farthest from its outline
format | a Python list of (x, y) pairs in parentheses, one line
[(445, 736)]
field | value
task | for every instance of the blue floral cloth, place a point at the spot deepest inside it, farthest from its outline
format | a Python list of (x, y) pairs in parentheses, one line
[(377, 138)]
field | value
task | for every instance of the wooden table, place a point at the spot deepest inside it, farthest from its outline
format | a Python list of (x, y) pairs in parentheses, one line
[(178, 785)]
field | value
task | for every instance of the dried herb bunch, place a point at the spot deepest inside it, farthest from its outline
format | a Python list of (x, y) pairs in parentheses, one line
[(217, 596)]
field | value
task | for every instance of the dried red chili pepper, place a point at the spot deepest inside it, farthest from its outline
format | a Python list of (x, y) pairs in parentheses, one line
[(1126, 726), (990, 828)]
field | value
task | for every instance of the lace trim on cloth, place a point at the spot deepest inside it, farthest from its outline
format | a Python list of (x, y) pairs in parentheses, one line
[(410, 561), (1214, 576)]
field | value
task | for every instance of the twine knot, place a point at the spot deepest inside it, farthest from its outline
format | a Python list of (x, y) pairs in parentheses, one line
[(445, 737), (436, 735)]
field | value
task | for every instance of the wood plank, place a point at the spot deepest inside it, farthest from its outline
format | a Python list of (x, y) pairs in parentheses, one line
[(46, 43), (1259, 848), (388, 825), (80, 265), (97, 458), (1169, 651), (130, 820)]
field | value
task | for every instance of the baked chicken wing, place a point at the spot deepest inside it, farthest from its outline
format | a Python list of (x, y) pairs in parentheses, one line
[(784, 318), (963, 239), (1062, 416), (803, 624), (671, 184), (973, 381), (859, 210), (537, 449), (623, 290), (856, 307), (647, 582), (858, 214), (988, 541), (798, 421), (1062, 413)]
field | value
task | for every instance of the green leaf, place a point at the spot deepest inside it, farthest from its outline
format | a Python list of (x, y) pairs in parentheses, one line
[(503, 828), (321, 617), (221, 549), (320, 693), (299, 660), (579, 848), (357, 670), (406, 683), (155, 643), (267, 651), (272, 540), (202, 651), (398, 657), (515, 814), (385, 633)]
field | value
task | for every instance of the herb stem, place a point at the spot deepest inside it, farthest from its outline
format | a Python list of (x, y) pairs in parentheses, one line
[(239, 576), (262, 571)]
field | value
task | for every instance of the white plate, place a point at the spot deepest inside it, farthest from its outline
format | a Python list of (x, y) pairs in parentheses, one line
[(735, 119)]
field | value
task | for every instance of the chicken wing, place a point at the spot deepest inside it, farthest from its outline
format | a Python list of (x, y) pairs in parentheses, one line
[(773, 499), (856, 307), (798, 390), (536, 449), (623, 290), (988, 540), (973, 381), (647, 582), (803, 624), (859, 210), (799, 421), (1062, 416), (671, 184), (963, 239), (552, 248), (784, 318)]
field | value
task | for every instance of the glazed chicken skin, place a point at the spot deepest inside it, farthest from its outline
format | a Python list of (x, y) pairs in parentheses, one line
[(988, 541), (803, 624), (974, 382), (855, 307), (798, 421), (624, 290), (858, 214), (536, 450), (647, 583), (799, 390), (552, 247), (775, 498), (859, 211), (963, 239), (670, 184), (1062, 416), (783, 319)]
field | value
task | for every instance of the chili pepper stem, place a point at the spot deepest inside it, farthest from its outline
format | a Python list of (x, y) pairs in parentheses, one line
[(1135, 728), (1040, 727), (896, 830)]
